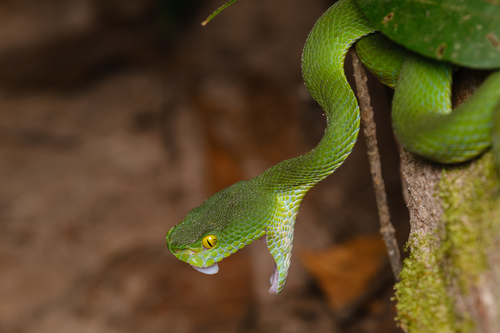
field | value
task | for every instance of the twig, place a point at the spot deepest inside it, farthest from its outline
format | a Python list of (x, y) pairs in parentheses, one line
[(368, 124)]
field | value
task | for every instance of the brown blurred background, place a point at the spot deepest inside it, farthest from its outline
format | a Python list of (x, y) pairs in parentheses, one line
[(118, 117)]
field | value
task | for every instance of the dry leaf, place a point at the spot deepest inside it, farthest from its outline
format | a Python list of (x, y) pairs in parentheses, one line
[(345, 270)]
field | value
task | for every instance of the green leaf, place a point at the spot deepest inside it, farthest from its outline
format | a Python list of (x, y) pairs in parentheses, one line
[(465, 32)]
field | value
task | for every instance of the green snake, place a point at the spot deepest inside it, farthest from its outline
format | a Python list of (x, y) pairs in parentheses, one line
[(266, 206)]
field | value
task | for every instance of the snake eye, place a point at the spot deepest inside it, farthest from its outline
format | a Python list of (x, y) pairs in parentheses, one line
[(209, 241)]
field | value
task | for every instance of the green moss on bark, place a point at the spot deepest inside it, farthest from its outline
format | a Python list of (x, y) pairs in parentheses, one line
[(470, 199), (452, 260), (423, 303)]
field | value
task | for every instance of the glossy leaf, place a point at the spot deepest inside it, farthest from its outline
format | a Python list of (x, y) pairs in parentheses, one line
[(465, 32)]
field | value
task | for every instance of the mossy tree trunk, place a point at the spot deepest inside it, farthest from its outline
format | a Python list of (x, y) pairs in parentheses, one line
[(451, 280)]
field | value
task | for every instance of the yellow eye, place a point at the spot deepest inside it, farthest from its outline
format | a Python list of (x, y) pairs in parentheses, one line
[(209, 241)]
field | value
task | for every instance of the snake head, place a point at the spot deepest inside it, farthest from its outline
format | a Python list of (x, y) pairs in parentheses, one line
[(226, 222), (233, 218)]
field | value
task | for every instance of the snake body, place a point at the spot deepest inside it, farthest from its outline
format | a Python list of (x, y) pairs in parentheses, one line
[(266, 206)]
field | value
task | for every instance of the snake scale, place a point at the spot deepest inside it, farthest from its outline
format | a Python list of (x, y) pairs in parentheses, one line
[(266, 206)]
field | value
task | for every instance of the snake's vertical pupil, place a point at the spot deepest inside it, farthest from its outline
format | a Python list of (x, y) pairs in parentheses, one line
[(209, 241)]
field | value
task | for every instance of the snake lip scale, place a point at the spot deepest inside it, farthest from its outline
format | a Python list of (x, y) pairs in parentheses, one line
[(266, 206)]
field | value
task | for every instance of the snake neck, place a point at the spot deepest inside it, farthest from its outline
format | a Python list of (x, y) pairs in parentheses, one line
[(323, 72)]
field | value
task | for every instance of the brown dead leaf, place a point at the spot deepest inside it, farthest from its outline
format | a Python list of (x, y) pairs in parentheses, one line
[(344, 271)]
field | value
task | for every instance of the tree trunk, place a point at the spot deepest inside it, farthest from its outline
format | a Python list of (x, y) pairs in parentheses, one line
[(451, 280)]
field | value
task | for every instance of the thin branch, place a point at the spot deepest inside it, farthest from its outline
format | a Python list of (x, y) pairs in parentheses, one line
[(368, 123)]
